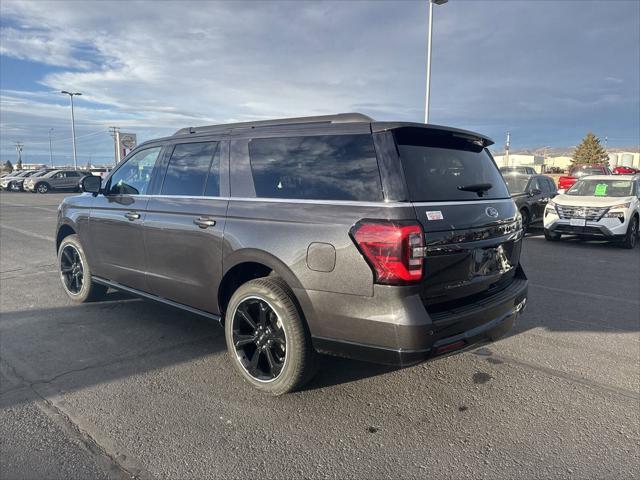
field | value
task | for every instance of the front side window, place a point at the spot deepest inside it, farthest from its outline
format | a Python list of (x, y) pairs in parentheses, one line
[(328, 167), (133, 177), (188, 169)]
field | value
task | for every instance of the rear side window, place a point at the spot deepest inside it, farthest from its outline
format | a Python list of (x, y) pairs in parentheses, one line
[(443, 167), (188, 168), (329, 167)]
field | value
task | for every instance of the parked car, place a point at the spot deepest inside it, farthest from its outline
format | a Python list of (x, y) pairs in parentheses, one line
[(19, 183), (531, 194), (579, 171), (524, 170), (392, 242), (622, 170), (597, 206), (13, 183), (55, 180)]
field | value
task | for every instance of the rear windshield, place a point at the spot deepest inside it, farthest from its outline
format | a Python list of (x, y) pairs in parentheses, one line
[(439, 167), (516, 183), (583, 172)]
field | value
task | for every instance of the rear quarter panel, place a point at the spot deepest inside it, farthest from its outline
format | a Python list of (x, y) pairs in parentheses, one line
[(284, 230)]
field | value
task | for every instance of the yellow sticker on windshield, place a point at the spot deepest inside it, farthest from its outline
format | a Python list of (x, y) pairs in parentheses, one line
[(601, 190)]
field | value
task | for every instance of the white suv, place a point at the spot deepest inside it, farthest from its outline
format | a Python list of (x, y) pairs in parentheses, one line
[(600, 206)]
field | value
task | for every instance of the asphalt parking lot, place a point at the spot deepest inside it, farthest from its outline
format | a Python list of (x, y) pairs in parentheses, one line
[(127, 387)]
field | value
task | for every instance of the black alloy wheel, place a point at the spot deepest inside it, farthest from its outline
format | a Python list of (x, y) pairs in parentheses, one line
[(259, 339), (71, 269)]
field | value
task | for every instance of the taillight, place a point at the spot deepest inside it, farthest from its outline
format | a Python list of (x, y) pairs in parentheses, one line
[(394, 250)]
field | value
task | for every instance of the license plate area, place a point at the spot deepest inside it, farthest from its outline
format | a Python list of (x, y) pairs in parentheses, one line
[(577, 222)]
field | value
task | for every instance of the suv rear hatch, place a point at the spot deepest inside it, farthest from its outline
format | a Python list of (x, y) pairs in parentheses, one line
[(471, 226)]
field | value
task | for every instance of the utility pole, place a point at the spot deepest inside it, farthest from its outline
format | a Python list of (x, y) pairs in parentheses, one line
[(50, 148), (506, 150), (429, 36), (73, 126), (115, 133), (19, 147)]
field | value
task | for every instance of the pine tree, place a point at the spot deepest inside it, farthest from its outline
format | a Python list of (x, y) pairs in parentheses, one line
[(8, 166), (590, 151)]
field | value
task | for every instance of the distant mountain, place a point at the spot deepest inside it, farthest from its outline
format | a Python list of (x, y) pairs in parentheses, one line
[(562, 151)]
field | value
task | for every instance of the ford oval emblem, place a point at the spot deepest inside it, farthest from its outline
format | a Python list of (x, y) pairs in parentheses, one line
[(491, 212)]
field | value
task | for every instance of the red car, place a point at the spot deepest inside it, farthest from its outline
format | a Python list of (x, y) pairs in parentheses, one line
[(579, 171), (621, 170)]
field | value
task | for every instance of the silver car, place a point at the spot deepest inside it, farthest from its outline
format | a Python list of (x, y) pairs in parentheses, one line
[(55, 180)]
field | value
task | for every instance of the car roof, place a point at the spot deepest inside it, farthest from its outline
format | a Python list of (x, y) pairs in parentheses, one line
[(320, 120)]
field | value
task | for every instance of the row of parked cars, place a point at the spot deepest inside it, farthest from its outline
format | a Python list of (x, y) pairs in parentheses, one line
[(592, 202), (45, 180)]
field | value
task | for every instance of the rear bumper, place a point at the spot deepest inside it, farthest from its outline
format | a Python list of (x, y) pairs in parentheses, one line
[(397, 330)]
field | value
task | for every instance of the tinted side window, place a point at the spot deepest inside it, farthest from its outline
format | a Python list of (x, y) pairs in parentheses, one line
[(213, 180), (188, 168), (330, 167), (551, 185), (133, 177)]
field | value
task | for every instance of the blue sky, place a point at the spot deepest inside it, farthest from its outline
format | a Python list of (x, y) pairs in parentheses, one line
[(547, 71)]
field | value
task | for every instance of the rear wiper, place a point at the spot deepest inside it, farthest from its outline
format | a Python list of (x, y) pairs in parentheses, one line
[(479, 188)]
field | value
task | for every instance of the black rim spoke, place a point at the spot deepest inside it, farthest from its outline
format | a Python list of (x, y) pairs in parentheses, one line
[(241, 340), (259, 341), (242, 312), (71, 269)]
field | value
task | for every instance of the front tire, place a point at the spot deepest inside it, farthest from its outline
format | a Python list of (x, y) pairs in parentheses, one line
[(631, 237), (42, 188), (551, 236), (267, 337), (526, 219), (75, 273)]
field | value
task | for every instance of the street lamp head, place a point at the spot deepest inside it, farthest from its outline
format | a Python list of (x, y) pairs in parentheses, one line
[(439, 2), (77, 93), (64, 91)]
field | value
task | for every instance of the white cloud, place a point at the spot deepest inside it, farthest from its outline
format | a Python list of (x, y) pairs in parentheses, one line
[(159, 66)]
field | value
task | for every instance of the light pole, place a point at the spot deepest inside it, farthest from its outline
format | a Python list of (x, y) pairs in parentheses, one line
[(73, 127), (50, 148), (429, 35)]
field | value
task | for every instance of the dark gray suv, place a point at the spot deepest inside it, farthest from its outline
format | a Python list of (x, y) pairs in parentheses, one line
[(391, 242)]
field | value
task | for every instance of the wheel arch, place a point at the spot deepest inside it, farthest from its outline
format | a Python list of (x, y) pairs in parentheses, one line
[(63, 231), (247, 264)]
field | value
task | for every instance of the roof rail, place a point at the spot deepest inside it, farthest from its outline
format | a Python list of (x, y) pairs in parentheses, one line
[(337, 118)]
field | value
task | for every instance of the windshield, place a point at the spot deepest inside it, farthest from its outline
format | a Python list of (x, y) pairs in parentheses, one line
[(601, 188), (443, 167), (516, 183), (583, 172)]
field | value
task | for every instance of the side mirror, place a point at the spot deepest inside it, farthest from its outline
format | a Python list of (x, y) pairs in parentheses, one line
[(535, 191), (91, 184)]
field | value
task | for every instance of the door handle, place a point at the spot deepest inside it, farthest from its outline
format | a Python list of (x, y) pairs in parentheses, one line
[(132, 216), (204, 222)]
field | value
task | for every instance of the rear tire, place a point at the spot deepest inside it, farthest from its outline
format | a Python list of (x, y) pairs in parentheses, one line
[(42, 188), (75, 273), (631, 237), (267, 337), (551, 236)]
